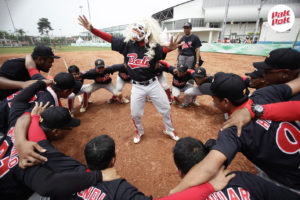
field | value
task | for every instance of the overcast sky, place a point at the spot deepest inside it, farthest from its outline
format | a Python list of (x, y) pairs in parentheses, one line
[(63, 14)]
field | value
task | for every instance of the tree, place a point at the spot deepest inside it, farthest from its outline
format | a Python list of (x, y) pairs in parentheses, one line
[(44, 26), (20, 32)]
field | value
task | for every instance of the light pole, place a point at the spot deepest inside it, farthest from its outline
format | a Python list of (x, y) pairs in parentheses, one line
[(12, 20)]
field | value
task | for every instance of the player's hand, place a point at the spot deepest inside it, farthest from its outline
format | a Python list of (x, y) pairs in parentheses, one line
[(29, 62), (221, 179), (110, 174), (39, 108), (175, 71), (48, 81), (27, 155), (25, 84), (85, 23), (174, 43), (238, 118)]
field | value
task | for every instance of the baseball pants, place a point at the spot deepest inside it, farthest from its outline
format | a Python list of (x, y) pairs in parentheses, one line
[(120, 84), (176, 91), (189, 61), (190, 94), (163, 81), (159, 100), (71, 99), (90, 88)]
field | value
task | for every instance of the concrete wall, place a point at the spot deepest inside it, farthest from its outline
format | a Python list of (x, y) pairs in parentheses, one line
[(240, 28), (191, 9)]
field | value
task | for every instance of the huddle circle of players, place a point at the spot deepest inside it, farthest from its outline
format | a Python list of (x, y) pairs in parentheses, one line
[(262, 125)]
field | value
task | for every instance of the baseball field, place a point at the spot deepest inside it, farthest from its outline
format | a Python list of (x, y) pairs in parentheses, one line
[(148, 165)]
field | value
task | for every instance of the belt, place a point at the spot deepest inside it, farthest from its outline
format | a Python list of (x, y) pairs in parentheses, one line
[(145, 83)]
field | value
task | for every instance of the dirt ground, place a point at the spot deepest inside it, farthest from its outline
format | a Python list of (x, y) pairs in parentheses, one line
[(148, 165)]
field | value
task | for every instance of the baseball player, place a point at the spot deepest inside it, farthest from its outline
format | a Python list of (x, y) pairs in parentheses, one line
[(265, 143), (141, 51), (189, 52), (14, 75), (122, 79), (62, 87), (200, 78), (189, 151), (256, 79), (101, 78), (181, 76), (54, 178), (97, 159)]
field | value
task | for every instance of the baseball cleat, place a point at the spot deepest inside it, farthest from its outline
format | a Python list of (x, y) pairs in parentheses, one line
[(137, 138), (195, 103), (183, 105), (125, 101), (171, 134), (82, 109)]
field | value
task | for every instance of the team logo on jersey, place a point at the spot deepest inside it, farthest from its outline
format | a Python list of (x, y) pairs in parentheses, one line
[(133, 62), (92, 193), (288, 138), (186, 45)]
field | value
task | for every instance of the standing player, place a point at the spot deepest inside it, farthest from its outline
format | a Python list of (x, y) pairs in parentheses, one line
[(141, 51), (189, 52), (200, 78), (266, 143), (101, 78), (189, 151)]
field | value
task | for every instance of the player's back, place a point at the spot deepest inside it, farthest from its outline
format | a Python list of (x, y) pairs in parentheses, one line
[(251, 187), (117, 189)]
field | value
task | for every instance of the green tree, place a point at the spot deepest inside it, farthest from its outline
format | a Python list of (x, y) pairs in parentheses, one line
[(44, 26)]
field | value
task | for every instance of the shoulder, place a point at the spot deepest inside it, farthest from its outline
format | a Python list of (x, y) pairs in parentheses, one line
[(16, 65)]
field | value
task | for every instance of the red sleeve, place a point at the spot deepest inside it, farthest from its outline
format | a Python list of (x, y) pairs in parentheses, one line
[(283, 111), (105, 36), (165, 50), (164, 63), (35, 132), (33, 71), (191, 71), (200, 192)]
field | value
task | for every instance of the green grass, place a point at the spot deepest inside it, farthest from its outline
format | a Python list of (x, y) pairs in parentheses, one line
[(7, 50)]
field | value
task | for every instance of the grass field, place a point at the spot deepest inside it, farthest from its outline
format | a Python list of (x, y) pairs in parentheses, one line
[(12, 50)]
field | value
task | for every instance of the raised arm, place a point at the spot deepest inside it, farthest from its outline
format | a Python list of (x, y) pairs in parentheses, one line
[(88, 26)]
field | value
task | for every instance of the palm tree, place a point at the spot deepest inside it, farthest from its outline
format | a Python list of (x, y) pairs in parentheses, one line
[(20, 32)]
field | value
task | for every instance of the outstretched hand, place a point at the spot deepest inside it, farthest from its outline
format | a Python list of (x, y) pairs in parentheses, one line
[(174, 43), (85, 23), (39, 108)]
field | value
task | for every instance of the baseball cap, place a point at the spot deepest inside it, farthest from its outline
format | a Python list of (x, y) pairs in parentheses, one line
[(255, 74), (200, 72), (182, 68), (58, 117), (99, 63), (63, 81), (282, 58), (226, 85), (187, 24), (44, 51)]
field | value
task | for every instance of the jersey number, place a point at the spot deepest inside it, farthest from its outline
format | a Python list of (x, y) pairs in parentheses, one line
[(288, 138)]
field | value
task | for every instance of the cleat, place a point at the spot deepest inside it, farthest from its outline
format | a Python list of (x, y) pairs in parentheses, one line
[(195, 103), (183, 105), (90, 102), (82, 109), (125, 101), (137, 138), (172, 135), (72, 114), (110, 101)]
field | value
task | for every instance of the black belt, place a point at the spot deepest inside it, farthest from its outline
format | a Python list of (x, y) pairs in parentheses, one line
[(144, 83)]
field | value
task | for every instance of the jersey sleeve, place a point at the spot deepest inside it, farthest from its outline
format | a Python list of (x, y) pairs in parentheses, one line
[(49, 183), (283, 111), (228, 143), (127, 191), (272, 94), (91, 74), (114, 68), (118, 44), (200, 192), (197, 42)]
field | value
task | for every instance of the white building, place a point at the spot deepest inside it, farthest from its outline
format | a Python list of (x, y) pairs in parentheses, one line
[(207, 18)]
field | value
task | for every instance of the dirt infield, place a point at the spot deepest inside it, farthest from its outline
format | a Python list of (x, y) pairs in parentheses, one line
[(148, 165)]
